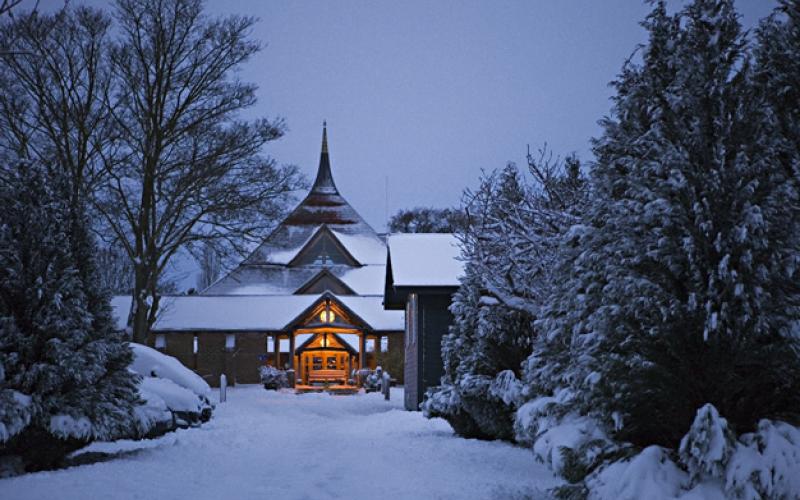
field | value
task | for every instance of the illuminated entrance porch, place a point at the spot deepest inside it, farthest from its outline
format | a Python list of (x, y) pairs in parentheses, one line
[(326, 344)]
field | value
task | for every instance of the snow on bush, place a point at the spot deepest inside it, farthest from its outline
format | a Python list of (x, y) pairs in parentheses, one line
[(506, 387), (766, 463), (154, 413), (174, 395), (537, 415), (15, 413), (176, 398), (440, 401), (272, 378), (650, 474), (148, 362), (708, 446), (574, 441), (67, 426)]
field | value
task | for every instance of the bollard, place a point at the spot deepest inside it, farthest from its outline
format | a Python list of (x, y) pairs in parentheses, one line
[(386, 382), (223, 388)]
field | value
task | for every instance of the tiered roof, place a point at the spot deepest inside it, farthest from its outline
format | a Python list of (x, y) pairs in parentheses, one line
[(323, 250), (276, 267)]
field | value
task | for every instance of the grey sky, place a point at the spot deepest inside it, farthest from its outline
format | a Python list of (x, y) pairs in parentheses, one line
[(427, 93)]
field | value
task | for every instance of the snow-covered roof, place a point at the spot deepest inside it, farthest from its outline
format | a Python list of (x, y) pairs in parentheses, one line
[(365, 248), (282, 280), (425, 259), (259, 312)]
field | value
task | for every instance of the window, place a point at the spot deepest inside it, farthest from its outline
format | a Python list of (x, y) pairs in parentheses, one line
[(322, 251), (194, 345), (161, 341), (230, 340)]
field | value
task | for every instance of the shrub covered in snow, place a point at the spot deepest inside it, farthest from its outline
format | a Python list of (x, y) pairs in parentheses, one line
[(174, 395), (273, 378), (64, 378), (486, 341)]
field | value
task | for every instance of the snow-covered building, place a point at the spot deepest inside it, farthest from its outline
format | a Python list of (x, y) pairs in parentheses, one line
[(315, 281), (422, 274)]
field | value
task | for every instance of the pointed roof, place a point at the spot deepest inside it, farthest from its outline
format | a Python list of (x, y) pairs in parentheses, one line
[(322, 206)]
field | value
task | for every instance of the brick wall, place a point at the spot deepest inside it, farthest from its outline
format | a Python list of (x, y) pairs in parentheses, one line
[(249, 346)]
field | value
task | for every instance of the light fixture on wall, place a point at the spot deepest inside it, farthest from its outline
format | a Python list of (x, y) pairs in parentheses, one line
[(327, 316)]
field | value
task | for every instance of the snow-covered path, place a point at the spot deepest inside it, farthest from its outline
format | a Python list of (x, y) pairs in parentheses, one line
[(265, 445)]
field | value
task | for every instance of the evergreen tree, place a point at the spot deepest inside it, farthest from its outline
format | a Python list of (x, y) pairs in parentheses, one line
[(509, 245), (65, 368), (681, 284)]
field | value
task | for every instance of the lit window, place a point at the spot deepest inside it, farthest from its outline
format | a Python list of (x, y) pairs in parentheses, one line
[(161, 341), (194, 345), (327, 316), (230, 340)]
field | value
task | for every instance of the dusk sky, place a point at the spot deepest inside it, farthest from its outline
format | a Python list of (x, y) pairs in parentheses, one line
[(426, 94), (429, 93)]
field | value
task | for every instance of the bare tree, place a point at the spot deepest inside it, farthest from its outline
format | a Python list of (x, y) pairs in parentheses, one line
[(116, 270), (191, 169), (7, 5), (53, 100)]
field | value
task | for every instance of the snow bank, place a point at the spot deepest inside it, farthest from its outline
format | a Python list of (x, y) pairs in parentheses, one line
[(148, 362)]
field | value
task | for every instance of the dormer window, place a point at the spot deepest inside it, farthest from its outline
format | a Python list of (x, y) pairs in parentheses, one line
[(323, 250)]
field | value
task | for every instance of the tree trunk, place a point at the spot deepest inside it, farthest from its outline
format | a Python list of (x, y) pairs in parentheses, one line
[(140, 313)]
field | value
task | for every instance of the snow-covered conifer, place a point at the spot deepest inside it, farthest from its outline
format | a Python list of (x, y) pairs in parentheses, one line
[(65, 367), (681, 282)]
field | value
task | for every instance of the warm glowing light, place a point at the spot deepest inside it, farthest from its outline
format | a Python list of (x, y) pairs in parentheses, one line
[(327, 317)]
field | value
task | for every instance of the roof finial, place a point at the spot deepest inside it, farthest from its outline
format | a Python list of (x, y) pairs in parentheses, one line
[(324, 182)]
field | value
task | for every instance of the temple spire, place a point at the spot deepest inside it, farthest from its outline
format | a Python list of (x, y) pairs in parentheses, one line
[(324, 182)]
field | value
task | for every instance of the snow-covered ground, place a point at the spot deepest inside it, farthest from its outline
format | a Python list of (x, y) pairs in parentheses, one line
[(263, 444)]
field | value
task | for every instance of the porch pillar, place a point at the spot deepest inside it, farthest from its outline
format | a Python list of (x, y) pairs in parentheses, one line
[(291, 350), (362, 350)]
